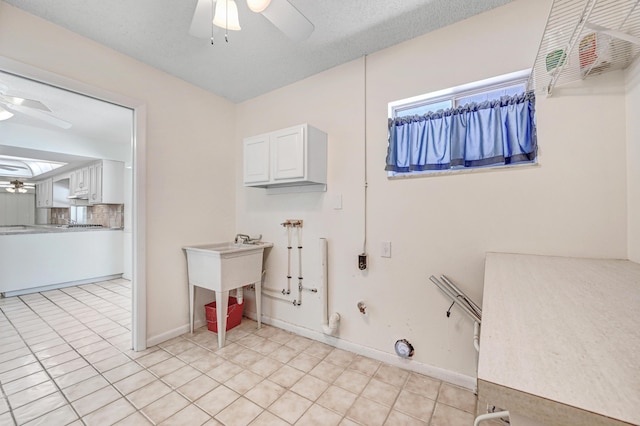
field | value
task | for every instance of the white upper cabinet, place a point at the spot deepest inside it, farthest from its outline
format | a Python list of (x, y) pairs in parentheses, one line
[(106, 182), (44, 194), (288, 160)]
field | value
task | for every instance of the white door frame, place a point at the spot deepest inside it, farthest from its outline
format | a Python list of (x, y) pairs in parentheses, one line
[(138, 146)]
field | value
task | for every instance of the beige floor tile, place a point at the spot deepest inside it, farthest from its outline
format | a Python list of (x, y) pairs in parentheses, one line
[(457, 397), (266, 347), (346, 422), (208, 363), (198, 387), (31, 394), (392, 375), (148, 394), (381, 392), (298, 342), (165, 407), (243, 381), (109, 414), (181, 376), (337, 399), (94, 347), (178, 346), (423, 385), (268, 419), (16, 353), (153, 358), (319, 349), (414, 405), (284, 354), (167, 366), (290, 406), (17, 373), (216, 400), (265, 393), (4, 405), (39, 407), (251, 341), (304, 362), (25, 382), (67, 367), (122, 371), (134, 382), (340, 357), (93, 401), (310, 387), (76, 376), (327, 371), (366, 366), (368, 412), (224, 371), (111, 363), (352, 381), (16, 363), (286, 376), (63, 358), (445, 415), (239, 413), (193, 354), (188, 416), (102, 354), (60, 416), (397, 418), (246, 358), (135, 419), (265, 366), (319, 416), (84, 388)]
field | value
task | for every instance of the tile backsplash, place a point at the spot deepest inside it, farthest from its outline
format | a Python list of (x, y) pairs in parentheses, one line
[(107, 215)]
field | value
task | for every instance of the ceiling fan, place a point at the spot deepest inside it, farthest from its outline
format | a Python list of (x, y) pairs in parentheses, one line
[(280, 13), (30, 107)]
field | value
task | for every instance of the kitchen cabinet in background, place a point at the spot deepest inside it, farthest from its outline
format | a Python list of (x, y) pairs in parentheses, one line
[(288, 160), (106, 182), (44, 194), (79, 182)]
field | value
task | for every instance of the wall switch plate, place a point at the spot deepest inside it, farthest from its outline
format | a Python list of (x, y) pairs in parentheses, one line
[(385, 249), (337, 202)]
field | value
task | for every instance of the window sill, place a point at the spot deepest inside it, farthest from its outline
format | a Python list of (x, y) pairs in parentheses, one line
[(438, 173)]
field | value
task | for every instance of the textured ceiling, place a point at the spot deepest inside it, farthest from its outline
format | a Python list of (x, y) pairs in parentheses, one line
[(259, 58)]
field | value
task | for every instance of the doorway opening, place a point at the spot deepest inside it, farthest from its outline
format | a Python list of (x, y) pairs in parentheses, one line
[(79, 146)]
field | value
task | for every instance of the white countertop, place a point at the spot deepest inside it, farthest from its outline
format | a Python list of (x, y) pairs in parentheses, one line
[(560, 339)]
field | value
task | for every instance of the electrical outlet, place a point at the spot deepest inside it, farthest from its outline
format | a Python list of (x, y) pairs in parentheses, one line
[(385, 249)]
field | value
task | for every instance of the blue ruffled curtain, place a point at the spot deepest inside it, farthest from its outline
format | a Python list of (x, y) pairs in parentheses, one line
[(490, 133)]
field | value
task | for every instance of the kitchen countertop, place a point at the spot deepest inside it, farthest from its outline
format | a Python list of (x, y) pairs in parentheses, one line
[(560, 340), (48, 229)]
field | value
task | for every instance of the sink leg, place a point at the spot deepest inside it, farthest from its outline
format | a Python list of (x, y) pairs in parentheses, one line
[(222, 304), (258, 287), (191, 297)]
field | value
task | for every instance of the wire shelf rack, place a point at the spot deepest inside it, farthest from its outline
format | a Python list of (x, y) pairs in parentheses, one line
[(584, 38)]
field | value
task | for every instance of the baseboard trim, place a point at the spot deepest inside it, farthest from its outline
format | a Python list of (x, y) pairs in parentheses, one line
[(178, 331), (44, 288)]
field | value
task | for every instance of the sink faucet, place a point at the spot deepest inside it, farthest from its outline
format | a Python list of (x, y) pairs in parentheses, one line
[(243, 238)]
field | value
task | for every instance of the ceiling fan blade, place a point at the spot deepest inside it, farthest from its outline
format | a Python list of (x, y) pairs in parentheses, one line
[(201, 21), (288, 19), (37, 114), (30, 103)]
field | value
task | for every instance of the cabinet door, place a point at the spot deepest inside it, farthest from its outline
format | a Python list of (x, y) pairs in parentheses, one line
[(95, 183), (256, 159), (288, 153)]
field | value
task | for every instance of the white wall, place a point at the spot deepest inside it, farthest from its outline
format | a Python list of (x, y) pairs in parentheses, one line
[(190, 157), (633, 160), (573, 204)]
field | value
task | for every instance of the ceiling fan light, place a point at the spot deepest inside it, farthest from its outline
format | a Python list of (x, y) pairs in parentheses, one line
[(258, 6), (227, 15), (11, 189), (4, 114)]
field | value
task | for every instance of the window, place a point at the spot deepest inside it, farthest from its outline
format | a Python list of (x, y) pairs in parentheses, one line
[(484, 124)]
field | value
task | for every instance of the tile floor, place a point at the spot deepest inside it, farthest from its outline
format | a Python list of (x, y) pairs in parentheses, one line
[(65, 358)]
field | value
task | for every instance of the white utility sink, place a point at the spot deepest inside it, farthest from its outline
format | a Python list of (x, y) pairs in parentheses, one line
[(222, 267)]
